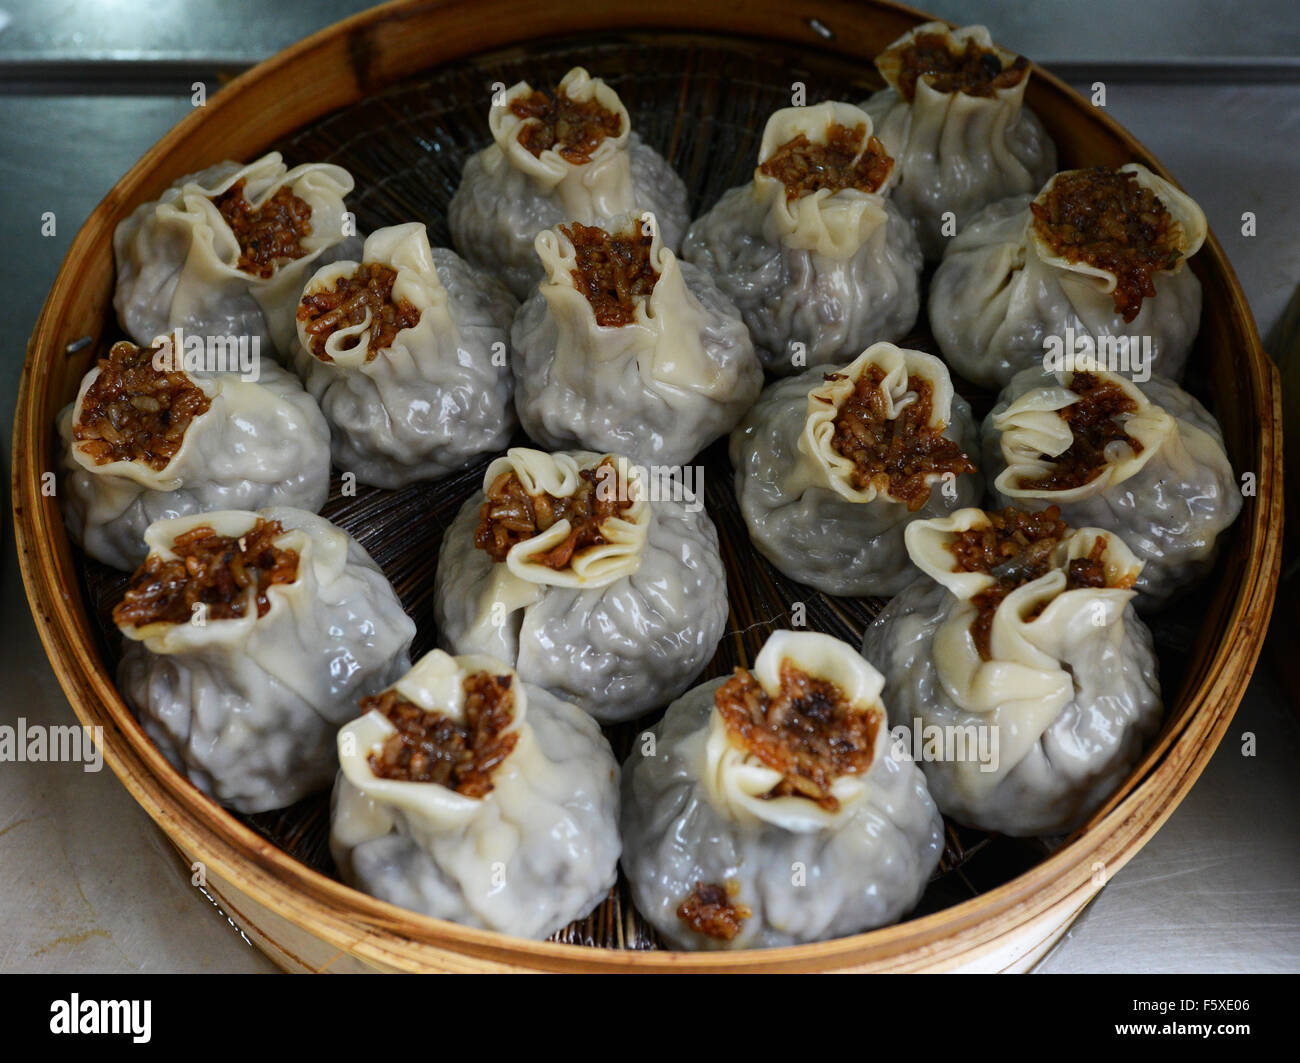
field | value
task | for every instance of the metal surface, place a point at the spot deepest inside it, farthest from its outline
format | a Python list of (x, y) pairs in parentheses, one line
[(87, 883)]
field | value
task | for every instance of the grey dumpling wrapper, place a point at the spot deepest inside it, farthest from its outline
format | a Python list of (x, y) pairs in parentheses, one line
[(260, 443), (442, 393), (956, 152), (868, 871), (834, 308), (616, 651), (810, 532), (1171, 512), (1073, 765), (176, 256), (658, 390), (507, 195), (248, 709), (999, 295), (541, 851)]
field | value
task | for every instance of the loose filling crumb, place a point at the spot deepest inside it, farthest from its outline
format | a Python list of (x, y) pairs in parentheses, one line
[(809, 732), (574, 130), (369, 288), (613, 270), (134, 412), (804, 167), (510, 515), (432, 747), (1095, 421), (974, 70), (900, 456), (270, 235), (712, 910), (211, 570), (1104, 218)]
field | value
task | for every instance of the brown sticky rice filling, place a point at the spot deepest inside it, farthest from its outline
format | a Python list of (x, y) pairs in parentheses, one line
[(430, 746), (974, 71), (1096, 420), (1016, 548), (613, 270), (370, 287), (712, 910), (572, 129), (134, 412), (809, 732), (211, 570), (1105, 219), (804, 167), (510, 515), (900, 456), (270, 235)]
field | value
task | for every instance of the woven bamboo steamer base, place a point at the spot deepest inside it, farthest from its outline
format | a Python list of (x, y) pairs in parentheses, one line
[(306, 921)]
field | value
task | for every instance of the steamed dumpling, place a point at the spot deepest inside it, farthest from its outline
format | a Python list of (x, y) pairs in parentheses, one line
[(1145, 461), (406, 352), (624, 348), (1021, 645), (1031, 272), (832, 466), (812, 250), (226, 251), (249, 638), (147, 439), (772, 808), (593, 580), (567, 156), (954, 119), (470, 795)]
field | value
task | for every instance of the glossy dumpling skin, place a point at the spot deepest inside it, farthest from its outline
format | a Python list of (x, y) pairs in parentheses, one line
[(862, 868), (617, 650), (1071, 696), (507, 196), (248, 708), (957, 152), (999, 295), (177, 258), (658, 389), (538, 852), (802, 524), (819, 281), (260, 443), (441, 393), (1171, 506)]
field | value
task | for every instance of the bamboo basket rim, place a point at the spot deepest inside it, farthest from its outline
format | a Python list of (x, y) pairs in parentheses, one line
[(382, 933)]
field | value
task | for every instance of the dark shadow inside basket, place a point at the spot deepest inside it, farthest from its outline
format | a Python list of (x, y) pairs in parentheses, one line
[(702, 102)]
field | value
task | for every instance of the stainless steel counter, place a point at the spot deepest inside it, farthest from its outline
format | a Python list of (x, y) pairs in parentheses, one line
[(86, 881)]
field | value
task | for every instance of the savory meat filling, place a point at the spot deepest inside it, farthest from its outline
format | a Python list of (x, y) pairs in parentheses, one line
[(135, 412), (432, 747), (1015, 548), (510, 515), (808, 732), (1105, 219), (804, 167), (1095, 421), (210, 570), (270, 235), (613, 270), (369, 288), (974, 71), (899, 456), (1089, 571), (572, 129), (712, 910)]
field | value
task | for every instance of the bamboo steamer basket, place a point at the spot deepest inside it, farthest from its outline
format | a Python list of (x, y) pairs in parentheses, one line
[(301, 916)]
